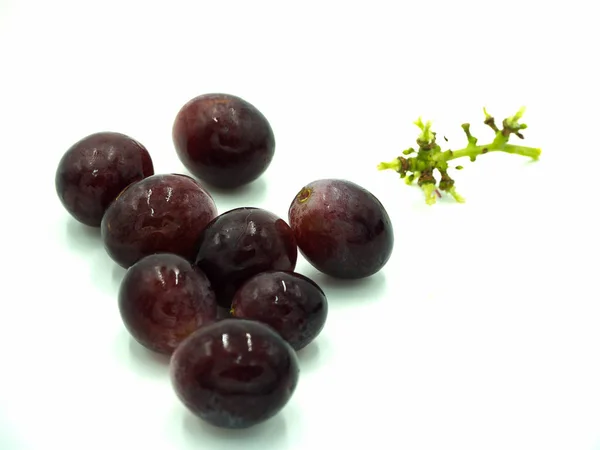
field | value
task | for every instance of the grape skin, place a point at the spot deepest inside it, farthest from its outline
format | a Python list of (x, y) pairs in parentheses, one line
[(234, 373), (163, 299), (163, 213), (95, 169), (292, 304), (223, 140), (341, 228), (241, 243)]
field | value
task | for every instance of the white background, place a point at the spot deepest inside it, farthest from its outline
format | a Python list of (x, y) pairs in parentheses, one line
[(483, 330)]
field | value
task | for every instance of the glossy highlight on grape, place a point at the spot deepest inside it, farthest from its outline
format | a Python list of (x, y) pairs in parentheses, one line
[(234, 373), (164, 213), (94, 170), (241, 243), (292, 304), (341, 228), (223, 140), (163, 299)]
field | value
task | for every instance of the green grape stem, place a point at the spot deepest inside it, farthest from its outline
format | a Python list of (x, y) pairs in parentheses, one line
[(430, 157), (531, 152)]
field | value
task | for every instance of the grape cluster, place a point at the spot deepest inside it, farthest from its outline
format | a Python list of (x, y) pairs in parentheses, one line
[(185, 261)]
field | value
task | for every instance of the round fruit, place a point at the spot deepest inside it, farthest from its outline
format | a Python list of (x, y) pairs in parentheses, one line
[(159, 214), (292, 304), (342, 229), (94, 170), (235, 373), (223, 140), (163, 299), (241, 243)]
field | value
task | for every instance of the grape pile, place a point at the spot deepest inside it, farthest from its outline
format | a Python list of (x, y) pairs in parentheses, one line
[(184, 260)]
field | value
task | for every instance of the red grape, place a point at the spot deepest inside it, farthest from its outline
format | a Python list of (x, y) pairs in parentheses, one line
[(95, 169), (234, 373), (342, 229), (292, 304), (160, 214), (241, 243), (223, 140), (163, 299)]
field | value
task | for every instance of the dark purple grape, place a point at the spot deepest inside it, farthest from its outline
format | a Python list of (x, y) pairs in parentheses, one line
[(292, 304), (342, 229), (223, 140), (234, 373), (94, 170), (242, 243), (163, 299), (160, 214)]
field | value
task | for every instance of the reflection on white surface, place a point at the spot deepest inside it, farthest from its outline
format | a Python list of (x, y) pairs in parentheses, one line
[(148, 201), (177, 273), (249, 341), (160, 276), (251, 228), (225, 339)]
